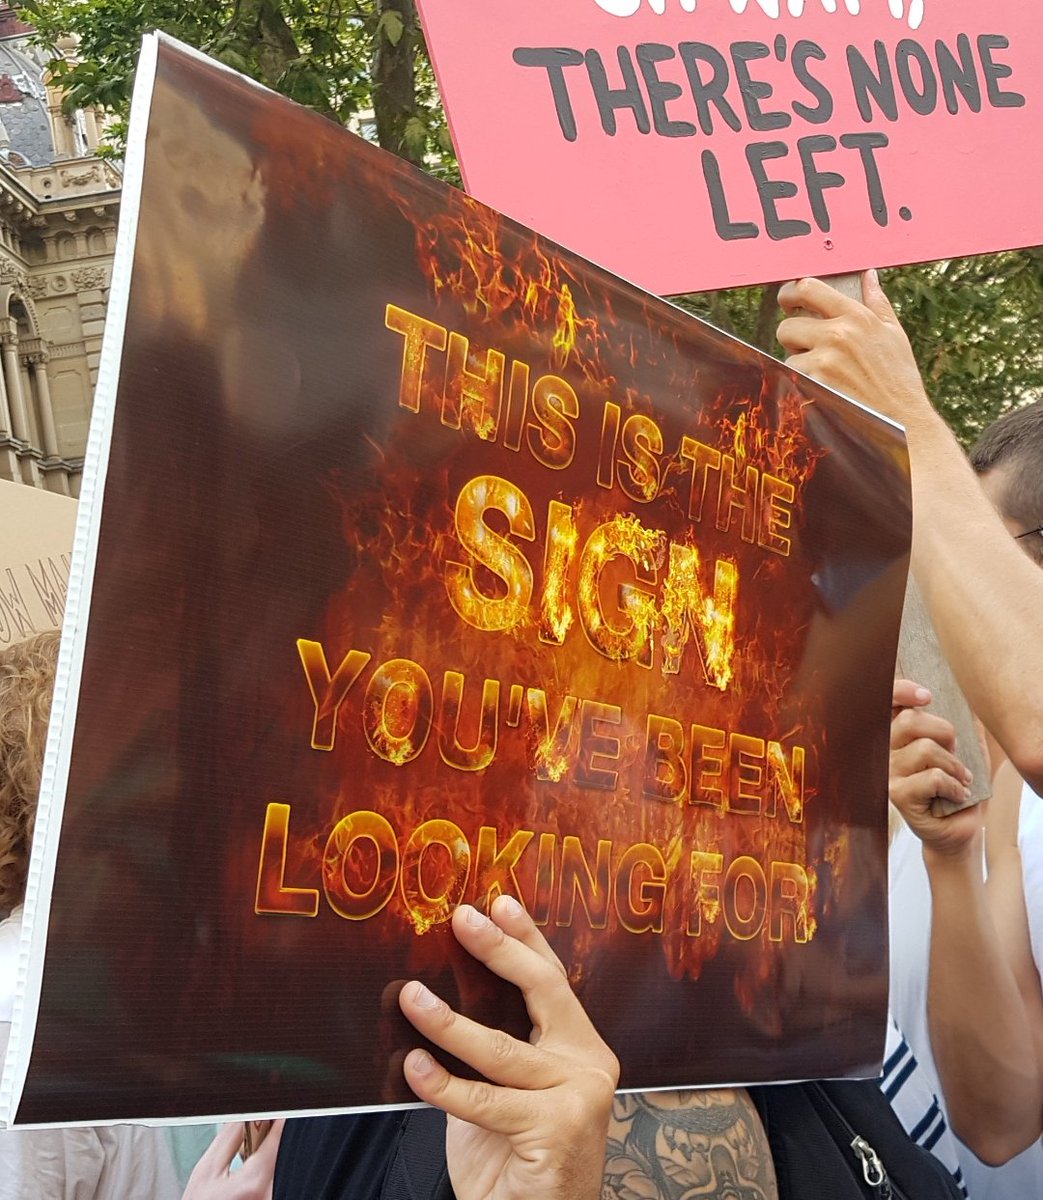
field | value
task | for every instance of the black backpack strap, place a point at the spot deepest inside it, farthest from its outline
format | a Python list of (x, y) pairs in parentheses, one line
[(811, 1128), (418, 1170), (809, 1165), (862, 1108)]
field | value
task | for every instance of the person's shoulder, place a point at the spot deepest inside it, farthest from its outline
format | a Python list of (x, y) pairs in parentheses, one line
[(11, 925)]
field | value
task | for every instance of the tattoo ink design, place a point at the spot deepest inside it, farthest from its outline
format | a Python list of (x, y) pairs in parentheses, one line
[(690, 1145)]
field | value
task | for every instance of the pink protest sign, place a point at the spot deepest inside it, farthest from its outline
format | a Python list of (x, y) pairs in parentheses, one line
[(692, 144)]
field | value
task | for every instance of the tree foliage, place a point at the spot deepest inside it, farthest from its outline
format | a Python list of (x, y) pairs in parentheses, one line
[(339, 57), (973, 322)]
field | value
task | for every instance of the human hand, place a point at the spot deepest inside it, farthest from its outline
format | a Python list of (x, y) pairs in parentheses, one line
[(924, 771), (539, 1127), (213, 1179), (859, 349)]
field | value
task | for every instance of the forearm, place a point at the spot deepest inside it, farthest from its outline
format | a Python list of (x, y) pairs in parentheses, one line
[(983, 594), (980, 1030), (709, 1144), (1005, 894)]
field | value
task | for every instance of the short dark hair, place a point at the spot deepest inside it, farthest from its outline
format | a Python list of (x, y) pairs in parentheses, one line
[(1015, 443)]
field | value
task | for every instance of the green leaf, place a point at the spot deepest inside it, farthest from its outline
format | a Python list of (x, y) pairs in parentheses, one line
[(391, 26), (414, 136)]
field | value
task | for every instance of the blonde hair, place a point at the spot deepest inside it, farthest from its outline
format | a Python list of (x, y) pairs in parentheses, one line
[(26, 686)]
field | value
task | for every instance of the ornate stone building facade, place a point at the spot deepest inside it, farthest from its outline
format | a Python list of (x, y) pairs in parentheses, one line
[(58, 210)]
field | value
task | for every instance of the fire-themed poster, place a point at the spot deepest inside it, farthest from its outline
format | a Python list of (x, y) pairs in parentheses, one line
[(421, 561)]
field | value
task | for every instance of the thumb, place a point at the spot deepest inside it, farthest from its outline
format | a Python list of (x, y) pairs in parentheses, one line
[(875, 298)]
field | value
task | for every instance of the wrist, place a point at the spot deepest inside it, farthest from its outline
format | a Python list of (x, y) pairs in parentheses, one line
[(912, 408), (957, 858)]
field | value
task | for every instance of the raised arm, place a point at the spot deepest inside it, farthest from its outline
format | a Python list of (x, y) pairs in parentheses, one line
[(1006, 895), (982, 1031), (983, 594)]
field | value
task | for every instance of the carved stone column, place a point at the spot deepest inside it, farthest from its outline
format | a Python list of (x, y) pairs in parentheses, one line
[(13, 382), (42, 387), (30, 469), (9, 468), (5, 411), (56, 473)]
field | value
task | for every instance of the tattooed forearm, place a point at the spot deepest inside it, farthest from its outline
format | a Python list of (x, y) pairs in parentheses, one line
[(686, 1146)]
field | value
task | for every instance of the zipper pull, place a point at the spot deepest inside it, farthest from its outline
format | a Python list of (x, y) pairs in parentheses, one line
[(872, 1168)]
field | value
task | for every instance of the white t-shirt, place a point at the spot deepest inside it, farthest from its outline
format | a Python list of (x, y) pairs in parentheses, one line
[(915, 1103), (1030, 843), (910, 903), (116, 1162), (10, 933)]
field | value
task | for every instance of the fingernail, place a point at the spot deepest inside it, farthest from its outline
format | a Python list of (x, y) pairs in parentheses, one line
[(423, 998), (421, 1063), (923, 696), (968, 776), (873, 276), (474, 918)]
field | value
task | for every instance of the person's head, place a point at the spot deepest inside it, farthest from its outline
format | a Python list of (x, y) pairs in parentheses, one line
[(26, 685), (1008, 458)]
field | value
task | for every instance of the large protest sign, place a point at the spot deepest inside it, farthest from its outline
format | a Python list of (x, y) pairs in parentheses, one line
[(696, 145), (424, 561), (36, 530)]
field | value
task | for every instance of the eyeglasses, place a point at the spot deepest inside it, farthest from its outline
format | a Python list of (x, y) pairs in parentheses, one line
[(1028, 533)]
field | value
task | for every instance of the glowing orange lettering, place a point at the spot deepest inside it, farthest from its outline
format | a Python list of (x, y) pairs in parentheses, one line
[(640, 888), (704, 872), (666, 773), (397, 711), (624, 536), (744, 914), (328, 693), (494, 868), (687, 611), (272, 894), (471, 392), (428, 906), (420, 336), (345, 866), (597, 746), (578, 880), (790, 902), (483, 494), (478, 756)]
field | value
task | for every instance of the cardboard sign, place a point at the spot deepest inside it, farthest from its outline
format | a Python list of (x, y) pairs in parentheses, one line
[(428, 562), (36, 530), (692, 145)]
